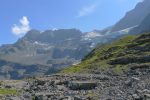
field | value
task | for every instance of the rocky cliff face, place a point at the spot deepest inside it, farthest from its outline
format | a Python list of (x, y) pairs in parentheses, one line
[(38, 53), (144, 26)]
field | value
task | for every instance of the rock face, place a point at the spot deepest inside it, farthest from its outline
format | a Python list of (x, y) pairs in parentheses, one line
[(129, 20), (39, 53), (143, 27), (147, 96)]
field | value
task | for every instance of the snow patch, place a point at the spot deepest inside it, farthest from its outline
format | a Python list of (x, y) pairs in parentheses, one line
[(91, 35)]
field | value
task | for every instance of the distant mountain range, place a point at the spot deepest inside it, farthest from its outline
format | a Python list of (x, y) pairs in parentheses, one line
[(39, 53)]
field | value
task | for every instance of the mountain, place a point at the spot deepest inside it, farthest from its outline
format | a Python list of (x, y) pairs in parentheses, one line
[(144, 26), (129, 24), (133, 17), (38, 53), (128, 53), (114, 71)]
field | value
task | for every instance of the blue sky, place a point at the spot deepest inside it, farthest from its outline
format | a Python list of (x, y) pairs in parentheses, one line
[(19, 16)]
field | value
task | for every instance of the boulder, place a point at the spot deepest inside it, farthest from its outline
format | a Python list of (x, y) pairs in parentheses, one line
[(147, 97), (82, 85), (66, 98), (136, 97)]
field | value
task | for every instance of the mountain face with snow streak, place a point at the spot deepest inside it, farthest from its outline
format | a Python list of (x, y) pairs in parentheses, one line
[(39, 53), (133, 17)]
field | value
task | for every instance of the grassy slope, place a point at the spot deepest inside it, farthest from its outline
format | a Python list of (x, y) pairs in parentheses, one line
[(8, 91), (109, 55)]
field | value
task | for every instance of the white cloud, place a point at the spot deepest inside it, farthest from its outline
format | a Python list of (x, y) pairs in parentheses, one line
[(23, 28), (87, 10)]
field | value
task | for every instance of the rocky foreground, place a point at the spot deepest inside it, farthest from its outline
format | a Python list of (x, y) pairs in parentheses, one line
[(134, 85)]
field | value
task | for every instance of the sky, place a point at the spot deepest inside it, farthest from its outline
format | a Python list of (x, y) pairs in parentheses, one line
[(17, 17)]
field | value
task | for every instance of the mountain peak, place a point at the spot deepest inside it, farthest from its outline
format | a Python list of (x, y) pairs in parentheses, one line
[(133, 17), (32, 34)]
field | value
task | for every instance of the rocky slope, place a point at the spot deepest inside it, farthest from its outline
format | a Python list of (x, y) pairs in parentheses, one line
[(130, 52), (134, 86), (125, 64)]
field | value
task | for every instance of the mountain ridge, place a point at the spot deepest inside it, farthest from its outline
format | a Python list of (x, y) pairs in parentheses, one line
[(129, 20), (53, 49)]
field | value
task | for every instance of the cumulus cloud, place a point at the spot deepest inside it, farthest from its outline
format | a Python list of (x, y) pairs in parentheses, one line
[(22, 28), (87, 10)]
